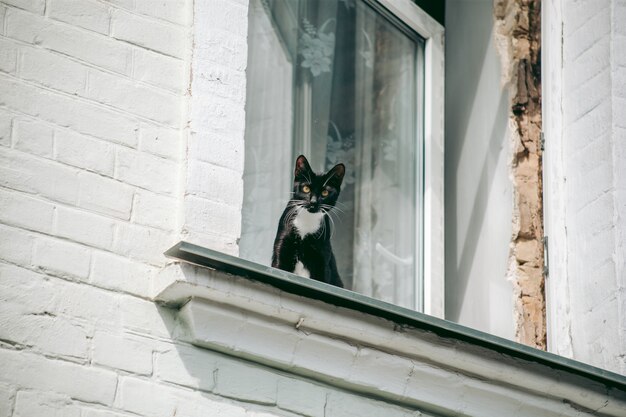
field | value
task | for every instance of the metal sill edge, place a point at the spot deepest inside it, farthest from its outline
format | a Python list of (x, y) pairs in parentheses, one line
[(294, 284)]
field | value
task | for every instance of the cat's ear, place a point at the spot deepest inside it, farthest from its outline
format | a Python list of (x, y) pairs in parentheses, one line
[(303, 169), (335, 175)]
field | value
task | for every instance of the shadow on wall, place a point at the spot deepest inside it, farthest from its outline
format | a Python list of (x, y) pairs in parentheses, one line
[(476, 134)]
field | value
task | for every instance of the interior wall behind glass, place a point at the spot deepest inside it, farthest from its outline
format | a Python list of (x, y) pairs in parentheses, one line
[(478, 191)]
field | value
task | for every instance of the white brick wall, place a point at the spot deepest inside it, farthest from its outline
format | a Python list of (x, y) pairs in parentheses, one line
[(585, 176), (105, 162)]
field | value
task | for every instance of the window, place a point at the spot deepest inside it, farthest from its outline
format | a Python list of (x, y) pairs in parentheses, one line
[(344, 81)]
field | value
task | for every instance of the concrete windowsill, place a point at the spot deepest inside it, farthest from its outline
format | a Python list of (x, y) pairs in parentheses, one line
[(354, 342)]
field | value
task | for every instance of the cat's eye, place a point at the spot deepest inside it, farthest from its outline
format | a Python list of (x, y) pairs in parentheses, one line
[(325, 193), (306, 189)]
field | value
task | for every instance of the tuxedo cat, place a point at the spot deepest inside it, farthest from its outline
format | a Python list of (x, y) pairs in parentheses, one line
[(302, 243)]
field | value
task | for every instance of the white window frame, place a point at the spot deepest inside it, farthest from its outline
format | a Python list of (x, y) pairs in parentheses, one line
[(195, 228), (433, 215)]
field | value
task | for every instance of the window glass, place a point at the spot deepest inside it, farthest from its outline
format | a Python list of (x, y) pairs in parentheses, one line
[(339, 81)]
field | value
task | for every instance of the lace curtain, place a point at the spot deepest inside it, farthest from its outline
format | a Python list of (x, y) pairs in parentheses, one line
[(354, 90)]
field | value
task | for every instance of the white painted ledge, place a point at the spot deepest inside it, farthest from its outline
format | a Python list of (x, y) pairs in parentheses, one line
[(367, 354)]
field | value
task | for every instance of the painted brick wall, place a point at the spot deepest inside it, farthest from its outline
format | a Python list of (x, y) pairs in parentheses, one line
[(587, 205), (107, 157)]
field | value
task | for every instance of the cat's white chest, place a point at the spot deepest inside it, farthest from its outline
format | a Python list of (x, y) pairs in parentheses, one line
[(307, 223), (301, 270)]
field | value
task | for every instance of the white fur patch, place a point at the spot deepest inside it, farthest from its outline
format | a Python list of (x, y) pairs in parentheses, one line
[(301, 270), (307, 222)]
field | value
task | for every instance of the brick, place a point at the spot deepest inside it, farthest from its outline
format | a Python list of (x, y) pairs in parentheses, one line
[(214, 79), (6, 126), (82, 383), (346, 405), (7, 398), (175, 11), (619, 17), (380, 370), (592, 125), (62, 258), (326, 356), (122, 352), (221, 243), (86, 46), (219, 185), (35, 6), (220, 150), (129, 96), (166, 143), (45, 333), (83, 152), (596, 216), (220, 47), (261, 338), (84, 227), (301, 397), (104, 195), (164, 400), (34, 293), (595, 90), (28, 292), (98, 307), (101, 413), (246, 382), (619, 109), (147, 171), (155, 210), (25, 173), (44, 404), (143, 243), (586, 36), (52, 70), (16, 245), (121, 274), (160, 70), (426, 383), (86, 118), (578, 13), (619, 82), (188, 366), (167, 39), (33, 137), (82, 13), (619, 44), (26, 212), (145, 317), (588, 64), (219, 115), (212, 218), (126, 4), (226, 15), (219, 326), (8, 56)]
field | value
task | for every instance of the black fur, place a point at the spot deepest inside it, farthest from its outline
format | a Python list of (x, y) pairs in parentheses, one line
[(313, 250)]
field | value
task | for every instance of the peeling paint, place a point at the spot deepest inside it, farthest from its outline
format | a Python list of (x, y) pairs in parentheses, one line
[(518, 41)]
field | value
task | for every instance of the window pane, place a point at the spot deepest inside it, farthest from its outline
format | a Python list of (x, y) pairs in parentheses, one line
[(338, 82)]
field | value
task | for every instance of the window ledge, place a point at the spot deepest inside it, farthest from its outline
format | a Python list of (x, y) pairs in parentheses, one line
[(355, 342)]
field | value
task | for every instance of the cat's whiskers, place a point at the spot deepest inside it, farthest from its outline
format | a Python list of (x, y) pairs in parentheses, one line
[(332, 208), (332, 222)]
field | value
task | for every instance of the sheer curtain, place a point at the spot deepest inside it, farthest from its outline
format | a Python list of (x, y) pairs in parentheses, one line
[(355, 88)]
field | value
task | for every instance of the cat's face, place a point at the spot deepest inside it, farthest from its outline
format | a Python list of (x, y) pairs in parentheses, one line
[(316, 191)]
